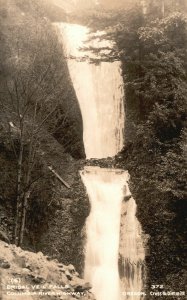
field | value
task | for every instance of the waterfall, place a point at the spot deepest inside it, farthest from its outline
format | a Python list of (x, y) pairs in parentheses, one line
[(112, 228), (99, 89), (105, 191), (131, 251)]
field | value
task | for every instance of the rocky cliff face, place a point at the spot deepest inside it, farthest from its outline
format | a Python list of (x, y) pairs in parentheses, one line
[(35, 276)]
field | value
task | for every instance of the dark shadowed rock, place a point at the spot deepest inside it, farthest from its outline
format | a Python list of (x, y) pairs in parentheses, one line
[(4, 237), (68, 275), (127, 198), (4, 264)]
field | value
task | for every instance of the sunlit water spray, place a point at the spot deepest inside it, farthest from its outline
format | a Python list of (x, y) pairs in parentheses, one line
[(112, 228)]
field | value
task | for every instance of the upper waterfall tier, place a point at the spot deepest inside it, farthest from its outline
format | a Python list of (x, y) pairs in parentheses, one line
[(99, 89)]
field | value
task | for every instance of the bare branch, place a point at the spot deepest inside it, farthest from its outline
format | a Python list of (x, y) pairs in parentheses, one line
[(45, 119)]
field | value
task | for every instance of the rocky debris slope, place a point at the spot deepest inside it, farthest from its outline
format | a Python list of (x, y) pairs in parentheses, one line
[(35, 276)]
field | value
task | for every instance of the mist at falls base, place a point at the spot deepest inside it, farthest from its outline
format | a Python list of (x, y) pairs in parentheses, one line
[(112, 228)]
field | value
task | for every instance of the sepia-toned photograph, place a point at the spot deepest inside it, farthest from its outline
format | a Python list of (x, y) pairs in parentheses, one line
[(93, 149)]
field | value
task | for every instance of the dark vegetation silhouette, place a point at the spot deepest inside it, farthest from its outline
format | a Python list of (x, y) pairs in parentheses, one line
[(35, 98)]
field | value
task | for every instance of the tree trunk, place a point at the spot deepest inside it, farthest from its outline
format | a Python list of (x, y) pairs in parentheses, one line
[(23, 217), (25, 200), (18, 198), (28, 177)]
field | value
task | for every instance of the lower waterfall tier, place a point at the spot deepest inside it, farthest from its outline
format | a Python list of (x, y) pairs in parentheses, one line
[(107, 190)]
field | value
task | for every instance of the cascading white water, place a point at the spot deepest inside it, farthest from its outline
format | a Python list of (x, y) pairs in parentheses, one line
[(99, 89), (131, 251), (105, 189)]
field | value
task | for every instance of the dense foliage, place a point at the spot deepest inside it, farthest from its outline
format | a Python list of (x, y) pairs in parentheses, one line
[(153, 52), (155, 73), (40, 119), (151, 45)]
